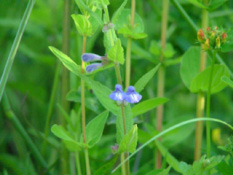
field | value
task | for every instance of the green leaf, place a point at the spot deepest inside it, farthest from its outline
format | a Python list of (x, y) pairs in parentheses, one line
[(116, 53), (129, 141), (227, 80), (83, 25), (142, 82), (67, 61), (170, 159), (159, 171), (95, 128), (106, 168), (228, 46), (215, 4), (197, 3), (147, 105), (156, 49), (190, 65), (118, 12), (85, 10), (123, 21), (61, 133), (201, 81)]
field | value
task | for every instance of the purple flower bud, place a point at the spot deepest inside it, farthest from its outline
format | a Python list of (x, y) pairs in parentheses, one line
[(115, 148), (90, 68), (118, 94), (105, 29), (88, 57), (132, 96)]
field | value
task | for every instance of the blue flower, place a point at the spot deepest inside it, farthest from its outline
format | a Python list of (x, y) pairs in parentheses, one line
[(89, 57), (90, 68), (132, 96), (118, 94)]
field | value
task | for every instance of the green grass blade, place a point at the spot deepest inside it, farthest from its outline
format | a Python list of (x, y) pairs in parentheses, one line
[(170, 129), (11, 116), (15, 46)]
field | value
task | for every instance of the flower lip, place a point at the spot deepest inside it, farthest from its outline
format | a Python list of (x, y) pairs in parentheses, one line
[(89, 57), (118, 94), (92, 67), (132, 96)]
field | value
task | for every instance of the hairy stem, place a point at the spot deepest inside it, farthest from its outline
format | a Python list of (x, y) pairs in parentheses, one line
[(161, 76), (208, 106), (128, 63), (88, 169), (200, 96)]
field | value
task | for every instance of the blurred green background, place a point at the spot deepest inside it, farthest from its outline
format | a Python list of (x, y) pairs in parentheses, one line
[(30, 81)]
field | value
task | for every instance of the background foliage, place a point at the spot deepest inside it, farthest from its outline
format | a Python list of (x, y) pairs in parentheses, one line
[(30, 82)]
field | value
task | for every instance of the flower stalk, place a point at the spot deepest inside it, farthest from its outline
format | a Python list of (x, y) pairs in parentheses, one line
[(88, 169)]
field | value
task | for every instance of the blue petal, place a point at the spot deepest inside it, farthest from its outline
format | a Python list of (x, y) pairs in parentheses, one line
[(88, 57), (90, 68), (132, 96), (118, 94)]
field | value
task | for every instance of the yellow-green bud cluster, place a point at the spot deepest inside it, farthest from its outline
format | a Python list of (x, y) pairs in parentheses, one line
[(211, 38)]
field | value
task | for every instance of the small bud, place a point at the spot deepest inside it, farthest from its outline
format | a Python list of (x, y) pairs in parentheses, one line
[(105, 28), (216, 28), (213, 33), (115, 148), (224, 36), (208, 29), (207, 44), (218, 43), (200, 35), (111, 25)]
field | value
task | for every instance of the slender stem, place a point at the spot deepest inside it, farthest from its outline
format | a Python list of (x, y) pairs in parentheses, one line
[(123, 168), (200, 96), (11, 116), (128, 48), (65, 79), (208, 106), (161, 76), (199, 125), (51, 104), (128, 63), (15, 46), (78, 165), (88, 169)]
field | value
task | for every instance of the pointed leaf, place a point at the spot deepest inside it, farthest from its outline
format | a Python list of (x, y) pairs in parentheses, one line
[(116, 53), (201, 81), (129, 141), (147, 105), (95, 128), (142, 82), (227, 80)]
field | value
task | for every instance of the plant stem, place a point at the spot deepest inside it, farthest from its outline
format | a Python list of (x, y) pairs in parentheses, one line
[(65, 78), (208, 106), (161, 76), (11, 116), (128, 48), (88, 169), (200, 96), (78, 165), (51, 104), (128, 63), (15, 46)]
